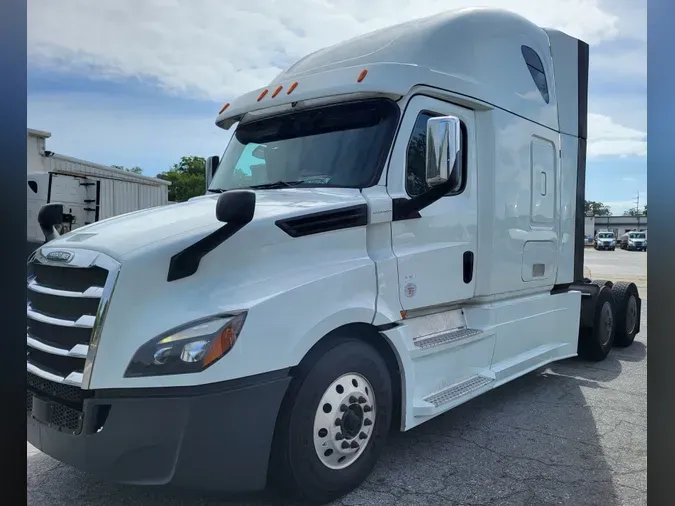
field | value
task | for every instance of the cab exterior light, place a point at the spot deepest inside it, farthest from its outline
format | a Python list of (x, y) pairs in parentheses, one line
[(190, 348)]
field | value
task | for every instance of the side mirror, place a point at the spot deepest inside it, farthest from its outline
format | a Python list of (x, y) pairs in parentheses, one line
[(236, 207), (49, 216), (444, 145), (212, 163)]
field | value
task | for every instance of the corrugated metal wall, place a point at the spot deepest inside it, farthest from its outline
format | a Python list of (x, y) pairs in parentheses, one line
[(121, 192), (106, 199)]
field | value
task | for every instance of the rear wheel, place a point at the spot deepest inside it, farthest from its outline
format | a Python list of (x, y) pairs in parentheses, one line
[(627, 313), (602, 282), (334, 423), (595, 342)]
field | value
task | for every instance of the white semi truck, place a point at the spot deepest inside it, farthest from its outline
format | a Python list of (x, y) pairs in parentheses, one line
[(396, 227), (633, 241)]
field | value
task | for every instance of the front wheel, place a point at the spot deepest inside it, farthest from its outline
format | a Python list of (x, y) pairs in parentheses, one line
[(334, 423)]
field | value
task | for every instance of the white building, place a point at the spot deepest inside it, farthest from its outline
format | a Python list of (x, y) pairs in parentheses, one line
[(617, 224), (89, 191)]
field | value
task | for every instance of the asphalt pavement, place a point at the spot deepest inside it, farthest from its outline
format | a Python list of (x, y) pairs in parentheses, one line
[(570, 433)]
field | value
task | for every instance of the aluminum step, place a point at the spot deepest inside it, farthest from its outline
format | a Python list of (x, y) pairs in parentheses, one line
[(453, 395), (443, 341), (442, 338)]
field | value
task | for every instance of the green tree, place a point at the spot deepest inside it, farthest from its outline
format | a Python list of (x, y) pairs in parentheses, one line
[(135, 170), (635, 212), (187, 177), (593, 208)]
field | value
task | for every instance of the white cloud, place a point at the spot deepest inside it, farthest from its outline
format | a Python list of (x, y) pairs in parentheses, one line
[(607, 138), (614, 64), (214, 49), (626, 109)]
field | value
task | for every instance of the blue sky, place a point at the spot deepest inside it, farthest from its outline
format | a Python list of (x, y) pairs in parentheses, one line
[(139, 83)]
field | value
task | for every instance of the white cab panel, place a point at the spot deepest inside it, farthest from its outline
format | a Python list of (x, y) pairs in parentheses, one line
[(454, 356), (530, 331), (430, 249), (519, 177)]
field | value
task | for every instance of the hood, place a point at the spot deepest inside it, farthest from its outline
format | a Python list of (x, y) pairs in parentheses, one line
[(123, 234)]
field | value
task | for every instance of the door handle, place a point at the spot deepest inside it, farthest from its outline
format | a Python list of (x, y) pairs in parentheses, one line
[(468, 266)]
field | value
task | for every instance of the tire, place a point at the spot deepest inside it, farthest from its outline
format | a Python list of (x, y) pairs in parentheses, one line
[(296, 468), (612, 249), (627, 313), (602, 282), (596, 342)]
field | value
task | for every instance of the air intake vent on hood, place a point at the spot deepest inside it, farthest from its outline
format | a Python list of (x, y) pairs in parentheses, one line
[(325, 221)]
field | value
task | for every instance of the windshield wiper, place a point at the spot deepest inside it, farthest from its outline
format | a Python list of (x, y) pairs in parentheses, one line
[(278, 184)]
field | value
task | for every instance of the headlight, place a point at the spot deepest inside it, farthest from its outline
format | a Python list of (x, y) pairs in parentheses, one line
[(187, 349)]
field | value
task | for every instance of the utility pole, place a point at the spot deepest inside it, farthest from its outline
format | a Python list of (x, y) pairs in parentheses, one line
[(637, 210)]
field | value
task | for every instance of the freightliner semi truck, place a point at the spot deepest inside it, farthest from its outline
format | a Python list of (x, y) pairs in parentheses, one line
[(395, 227)]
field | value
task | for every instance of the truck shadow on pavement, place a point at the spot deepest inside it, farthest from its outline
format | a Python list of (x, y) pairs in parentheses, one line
[(570, 433)]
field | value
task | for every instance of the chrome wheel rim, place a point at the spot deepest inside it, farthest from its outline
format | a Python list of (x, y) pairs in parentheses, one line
[(631, 315), (606, 323), (344, 421)]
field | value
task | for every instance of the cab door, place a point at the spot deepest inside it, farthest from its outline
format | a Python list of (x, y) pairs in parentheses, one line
[(435, 252)]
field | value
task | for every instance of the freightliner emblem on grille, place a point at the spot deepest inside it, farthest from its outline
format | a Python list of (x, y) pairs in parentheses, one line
[(59, 256)]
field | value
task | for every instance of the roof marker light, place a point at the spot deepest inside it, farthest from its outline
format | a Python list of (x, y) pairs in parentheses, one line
[(224, 107), (362, 76), (276, 92), (292, 87), (262, 95)]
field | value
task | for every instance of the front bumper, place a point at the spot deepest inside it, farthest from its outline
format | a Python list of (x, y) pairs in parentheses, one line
[(214, 437)]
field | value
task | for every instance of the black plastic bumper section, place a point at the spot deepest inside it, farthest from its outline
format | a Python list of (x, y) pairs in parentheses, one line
[(216, 437)]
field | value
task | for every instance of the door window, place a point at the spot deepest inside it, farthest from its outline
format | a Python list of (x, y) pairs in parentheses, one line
[(416, 156)]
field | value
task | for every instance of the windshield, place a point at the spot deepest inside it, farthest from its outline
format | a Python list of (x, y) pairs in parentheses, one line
[(637, 236), (342, 145), (606, 236)]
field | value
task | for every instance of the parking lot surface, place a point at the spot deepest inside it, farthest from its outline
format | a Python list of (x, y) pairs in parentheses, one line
[(570, 433)]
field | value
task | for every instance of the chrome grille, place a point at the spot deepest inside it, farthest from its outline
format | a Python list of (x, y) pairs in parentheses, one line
[(67, 293)]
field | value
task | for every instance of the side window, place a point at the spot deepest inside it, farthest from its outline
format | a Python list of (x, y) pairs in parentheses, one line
[(416, 157), (536, 69)]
